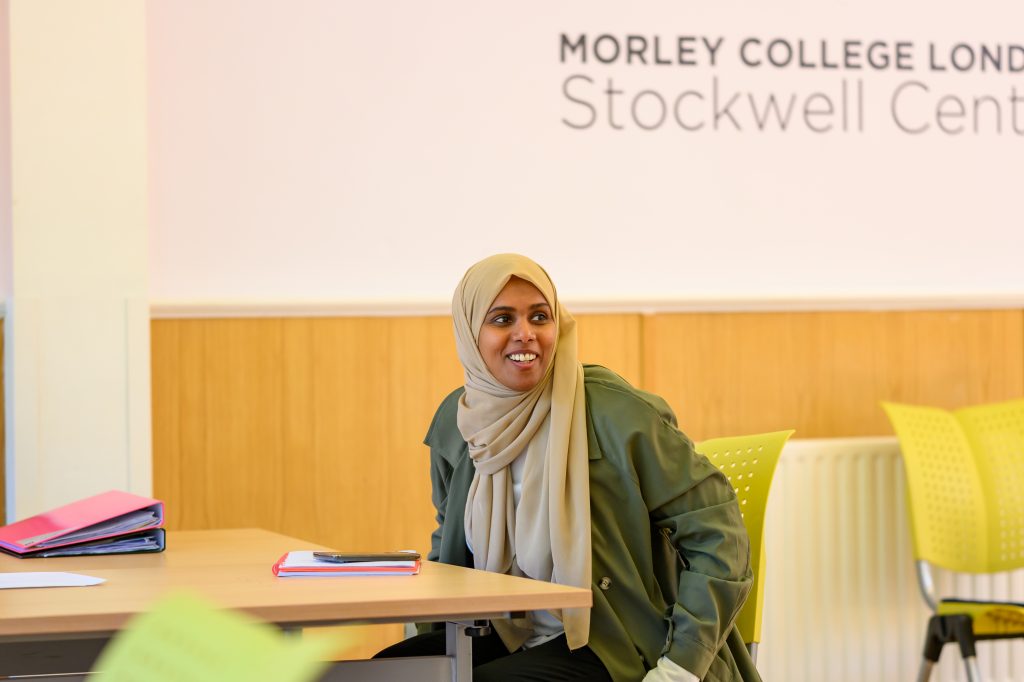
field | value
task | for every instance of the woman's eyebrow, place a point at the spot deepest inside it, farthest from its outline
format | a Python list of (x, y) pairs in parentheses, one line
[(510, 309), (501, 308)]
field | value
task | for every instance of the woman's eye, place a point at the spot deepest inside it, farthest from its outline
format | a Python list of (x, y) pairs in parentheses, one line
[(500, 319), (540, 317)]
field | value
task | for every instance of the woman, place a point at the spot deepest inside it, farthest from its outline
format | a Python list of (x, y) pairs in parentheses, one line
[(545, 468)]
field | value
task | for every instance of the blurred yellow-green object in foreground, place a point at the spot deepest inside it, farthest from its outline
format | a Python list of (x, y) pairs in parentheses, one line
[(184, 638)]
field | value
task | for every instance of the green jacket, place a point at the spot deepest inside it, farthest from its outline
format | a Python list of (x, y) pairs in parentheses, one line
[(671, 559)]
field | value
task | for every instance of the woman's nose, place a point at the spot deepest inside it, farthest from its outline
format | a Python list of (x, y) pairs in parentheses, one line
[(523, 332)]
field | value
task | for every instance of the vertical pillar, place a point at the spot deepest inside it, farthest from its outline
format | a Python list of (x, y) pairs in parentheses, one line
[(5, 231), (77, 317)]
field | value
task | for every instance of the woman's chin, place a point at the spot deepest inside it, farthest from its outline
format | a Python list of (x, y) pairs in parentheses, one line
[(521, 380)]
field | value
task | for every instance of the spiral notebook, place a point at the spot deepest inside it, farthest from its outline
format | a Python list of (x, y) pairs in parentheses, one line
[(303, 563)]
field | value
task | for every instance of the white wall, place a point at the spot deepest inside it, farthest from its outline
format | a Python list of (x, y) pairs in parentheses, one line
[(318, 150), (5, 158), (76, 340)]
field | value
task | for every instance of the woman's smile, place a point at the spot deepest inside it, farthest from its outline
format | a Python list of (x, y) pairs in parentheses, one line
[(522, 358)]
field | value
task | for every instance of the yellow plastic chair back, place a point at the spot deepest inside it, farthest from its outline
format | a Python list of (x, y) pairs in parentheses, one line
[(183, 638), (996, 435), (965, 477), (749, 463), (965, 489)]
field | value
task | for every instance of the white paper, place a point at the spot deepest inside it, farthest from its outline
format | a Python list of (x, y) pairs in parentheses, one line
[(305, 559), (47, 579)]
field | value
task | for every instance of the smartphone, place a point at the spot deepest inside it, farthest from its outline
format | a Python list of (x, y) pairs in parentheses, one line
[(350, 557)]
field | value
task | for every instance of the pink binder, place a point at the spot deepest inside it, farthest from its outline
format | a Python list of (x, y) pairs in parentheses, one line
[(113, 522)]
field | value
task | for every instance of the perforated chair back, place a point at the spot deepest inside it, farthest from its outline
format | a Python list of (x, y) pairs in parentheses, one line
[(749, 463), (947, 508), (996, 435), (965, 477)]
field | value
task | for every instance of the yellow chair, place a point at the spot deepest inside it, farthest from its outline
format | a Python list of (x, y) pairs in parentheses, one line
[(749, 462), (965, 486)]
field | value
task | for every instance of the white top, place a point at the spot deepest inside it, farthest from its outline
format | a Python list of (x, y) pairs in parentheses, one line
[(545, 626)]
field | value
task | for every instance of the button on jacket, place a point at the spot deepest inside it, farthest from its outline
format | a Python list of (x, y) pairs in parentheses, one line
[(670, 552)]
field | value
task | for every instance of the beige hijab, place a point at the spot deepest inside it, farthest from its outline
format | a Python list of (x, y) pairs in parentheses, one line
[(548, 534)]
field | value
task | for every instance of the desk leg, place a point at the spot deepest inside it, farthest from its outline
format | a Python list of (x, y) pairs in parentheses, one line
[(459, 646), (455, 666)]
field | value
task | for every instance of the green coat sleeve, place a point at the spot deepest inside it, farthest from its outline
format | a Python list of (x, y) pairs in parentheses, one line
[(445, 447), (445, 451), (692, 503), (440, 475), (696, 507)]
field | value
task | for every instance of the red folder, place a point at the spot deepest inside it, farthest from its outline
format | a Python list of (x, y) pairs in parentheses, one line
[(113, 522)]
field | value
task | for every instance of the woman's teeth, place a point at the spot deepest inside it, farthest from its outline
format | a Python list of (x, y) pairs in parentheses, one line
[(523, 357)]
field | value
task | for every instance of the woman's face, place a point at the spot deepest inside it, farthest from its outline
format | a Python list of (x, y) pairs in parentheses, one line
[(517, 337)]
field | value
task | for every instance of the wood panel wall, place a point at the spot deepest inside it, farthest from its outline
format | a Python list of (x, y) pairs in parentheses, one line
[(313, 426), (824, 373)]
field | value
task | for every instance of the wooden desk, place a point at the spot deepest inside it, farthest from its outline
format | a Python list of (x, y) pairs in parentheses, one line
[(232, 569)]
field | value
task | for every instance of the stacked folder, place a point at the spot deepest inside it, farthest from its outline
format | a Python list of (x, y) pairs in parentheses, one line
[(113, 522)]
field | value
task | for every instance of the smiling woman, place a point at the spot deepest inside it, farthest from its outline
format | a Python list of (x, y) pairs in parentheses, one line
[(545, 468), (517, 338)]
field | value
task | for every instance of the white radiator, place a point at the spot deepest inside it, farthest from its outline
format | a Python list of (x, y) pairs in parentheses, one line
[(841, 597)]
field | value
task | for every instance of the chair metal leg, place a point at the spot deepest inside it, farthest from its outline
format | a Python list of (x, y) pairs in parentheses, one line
[(924, 673), (973, 672), (963, 628), (942, 630)]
